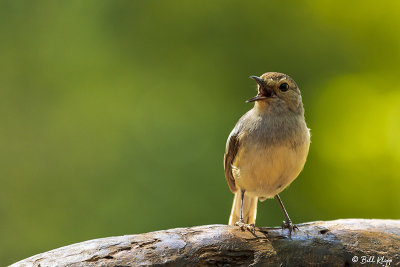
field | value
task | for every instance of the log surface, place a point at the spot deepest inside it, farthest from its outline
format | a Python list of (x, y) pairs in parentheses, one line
[(347, 242)]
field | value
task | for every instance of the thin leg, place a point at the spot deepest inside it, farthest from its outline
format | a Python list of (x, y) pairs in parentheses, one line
[(287, 223), (283, 208), (241, 222), (241, 205)]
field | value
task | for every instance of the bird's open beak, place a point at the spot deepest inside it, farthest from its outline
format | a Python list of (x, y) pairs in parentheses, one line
[(264, 91)]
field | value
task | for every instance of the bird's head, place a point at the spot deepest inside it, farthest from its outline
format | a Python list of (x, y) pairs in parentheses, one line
[(277, 90)]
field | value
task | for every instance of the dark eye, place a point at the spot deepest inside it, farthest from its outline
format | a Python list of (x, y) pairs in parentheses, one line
[(284, 87)]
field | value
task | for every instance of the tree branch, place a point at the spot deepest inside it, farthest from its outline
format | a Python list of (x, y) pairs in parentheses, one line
[(323, 243)]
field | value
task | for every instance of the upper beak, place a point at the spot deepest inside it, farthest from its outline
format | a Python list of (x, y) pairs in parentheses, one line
[(260, 81), (263, 92)]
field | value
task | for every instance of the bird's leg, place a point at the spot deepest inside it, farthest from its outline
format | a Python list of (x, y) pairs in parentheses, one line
[(241, 222), (287, 223), (241, 205)]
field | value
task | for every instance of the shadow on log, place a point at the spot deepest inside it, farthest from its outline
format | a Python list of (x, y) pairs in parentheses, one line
[(347, 242)]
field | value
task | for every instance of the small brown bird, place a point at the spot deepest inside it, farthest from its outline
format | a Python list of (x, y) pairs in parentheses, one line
[(267, 149)]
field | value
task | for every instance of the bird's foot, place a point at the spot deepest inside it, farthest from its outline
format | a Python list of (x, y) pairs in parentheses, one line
[(245, 226), (289, 225)]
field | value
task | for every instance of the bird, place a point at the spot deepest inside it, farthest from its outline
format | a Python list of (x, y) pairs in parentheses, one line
[(267, 148)]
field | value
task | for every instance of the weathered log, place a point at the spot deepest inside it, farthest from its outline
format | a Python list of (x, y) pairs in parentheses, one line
[(347, 242)]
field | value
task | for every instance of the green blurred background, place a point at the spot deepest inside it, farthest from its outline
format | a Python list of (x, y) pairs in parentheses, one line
[(114, 114)]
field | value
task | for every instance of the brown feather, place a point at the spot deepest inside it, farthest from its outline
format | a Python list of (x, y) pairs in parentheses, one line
[(232, 147)]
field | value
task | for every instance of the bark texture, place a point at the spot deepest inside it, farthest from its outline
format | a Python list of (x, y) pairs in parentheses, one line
[(348, 242)]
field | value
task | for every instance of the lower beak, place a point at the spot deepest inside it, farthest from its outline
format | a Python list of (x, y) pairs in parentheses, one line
[(256, 98)]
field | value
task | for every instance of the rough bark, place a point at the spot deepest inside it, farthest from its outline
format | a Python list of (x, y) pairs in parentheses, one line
[(347, 242)]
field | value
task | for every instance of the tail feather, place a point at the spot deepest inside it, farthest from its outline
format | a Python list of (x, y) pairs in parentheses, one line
[(249, 209)]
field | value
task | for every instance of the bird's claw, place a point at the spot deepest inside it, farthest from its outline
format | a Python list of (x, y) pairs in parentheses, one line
[(289, 225), (244, 226)]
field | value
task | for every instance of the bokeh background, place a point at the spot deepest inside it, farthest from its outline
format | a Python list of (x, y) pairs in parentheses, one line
[(114, 114)]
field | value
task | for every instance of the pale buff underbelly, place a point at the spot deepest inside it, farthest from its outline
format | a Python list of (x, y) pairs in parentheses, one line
[(265, 172)]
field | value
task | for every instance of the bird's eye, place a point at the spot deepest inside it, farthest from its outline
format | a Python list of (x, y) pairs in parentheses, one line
[(284, 87)]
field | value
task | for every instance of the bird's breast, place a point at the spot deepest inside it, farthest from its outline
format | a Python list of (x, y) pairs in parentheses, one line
[(265, 164)]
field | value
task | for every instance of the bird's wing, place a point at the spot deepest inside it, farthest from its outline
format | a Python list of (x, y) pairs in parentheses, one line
[(232, 147)]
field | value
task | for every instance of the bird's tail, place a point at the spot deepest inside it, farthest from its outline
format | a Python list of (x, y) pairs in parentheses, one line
[(249, 209)]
